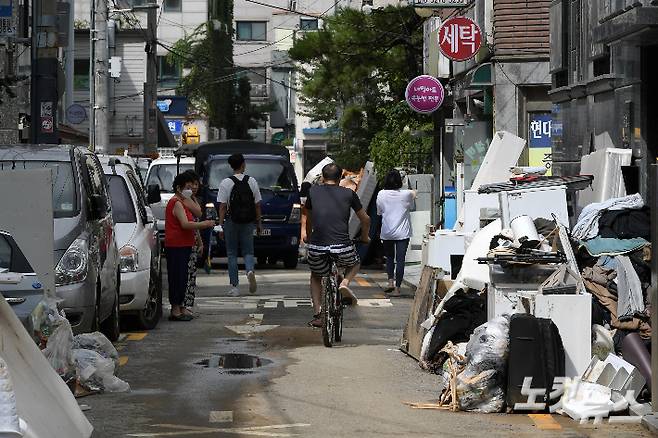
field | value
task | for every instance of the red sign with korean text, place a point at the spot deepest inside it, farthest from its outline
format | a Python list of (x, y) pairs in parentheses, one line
[(460, 38)]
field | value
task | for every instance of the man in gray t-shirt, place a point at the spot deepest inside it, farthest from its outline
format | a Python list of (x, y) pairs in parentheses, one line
[(326, 228)]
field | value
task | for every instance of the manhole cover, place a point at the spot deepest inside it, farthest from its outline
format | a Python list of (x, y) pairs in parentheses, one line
[(234, 363)]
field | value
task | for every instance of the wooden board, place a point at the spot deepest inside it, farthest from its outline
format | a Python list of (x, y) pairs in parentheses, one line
[(412, 338)]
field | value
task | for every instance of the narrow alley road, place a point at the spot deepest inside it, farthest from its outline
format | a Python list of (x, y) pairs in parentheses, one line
[(281, 381)]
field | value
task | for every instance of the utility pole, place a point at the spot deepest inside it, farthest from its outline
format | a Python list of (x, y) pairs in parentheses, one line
[(99, 126), (151, 84), (45, 66)]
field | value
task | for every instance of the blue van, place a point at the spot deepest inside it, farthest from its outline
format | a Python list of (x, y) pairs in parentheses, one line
[(270, 166)]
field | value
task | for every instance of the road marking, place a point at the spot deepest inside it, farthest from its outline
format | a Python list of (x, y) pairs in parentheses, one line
[(370, 302), (251, 302), (136, 336), (250, 329), (545, 422), (193, 430), (123, 360), (221, 417), (362, 282)]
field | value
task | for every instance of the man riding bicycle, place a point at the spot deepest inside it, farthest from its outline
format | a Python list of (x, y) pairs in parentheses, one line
[(328, 209)]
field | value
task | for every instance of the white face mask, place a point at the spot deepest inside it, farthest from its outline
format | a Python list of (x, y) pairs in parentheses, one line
[(187, 194)]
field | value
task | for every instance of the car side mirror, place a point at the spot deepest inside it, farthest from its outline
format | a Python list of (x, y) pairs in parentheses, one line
[(153, 194), (96, 207)]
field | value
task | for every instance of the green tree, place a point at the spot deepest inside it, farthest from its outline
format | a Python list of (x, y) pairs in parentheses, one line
[(356, 68), (395, 146)]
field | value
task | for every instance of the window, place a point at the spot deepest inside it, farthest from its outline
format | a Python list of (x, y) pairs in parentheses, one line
[(96, 181), (5, 254), (81, 75), (308, 24), (64, 190), (251, 30), (257, 79), (141, 198), (271, 174), (163, 175), (169, 74), (123, 209), (173, 5)]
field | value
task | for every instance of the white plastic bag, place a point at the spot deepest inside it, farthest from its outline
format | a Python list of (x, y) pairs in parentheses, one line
[(58, 349), (96, 372), (99, 343), (480, 387)]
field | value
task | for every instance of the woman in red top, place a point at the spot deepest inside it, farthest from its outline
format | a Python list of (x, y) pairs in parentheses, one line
[(180, 237)]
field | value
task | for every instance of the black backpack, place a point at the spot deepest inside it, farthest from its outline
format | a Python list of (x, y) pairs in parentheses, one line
[(242, 204)]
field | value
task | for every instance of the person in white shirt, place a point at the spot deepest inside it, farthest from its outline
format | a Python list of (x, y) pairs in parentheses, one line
[(394, 205), (239, 201)]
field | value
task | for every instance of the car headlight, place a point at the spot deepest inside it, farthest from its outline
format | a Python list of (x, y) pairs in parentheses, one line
[(129, 259), (295, 214), (72, 267)]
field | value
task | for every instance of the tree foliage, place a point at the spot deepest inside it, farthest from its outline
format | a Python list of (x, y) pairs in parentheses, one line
[(212, 83), (356, 69)]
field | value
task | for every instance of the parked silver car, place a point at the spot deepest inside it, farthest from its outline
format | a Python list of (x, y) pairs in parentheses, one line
[(86, 256)]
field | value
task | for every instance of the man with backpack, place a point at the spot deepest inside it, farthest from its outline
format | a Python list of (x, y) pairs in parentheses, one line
[(239, 216)]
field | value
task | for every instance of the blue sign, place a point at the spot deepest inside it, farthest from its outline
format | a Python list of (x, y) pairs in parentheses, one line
[(539, 132), (5, 8), (76, 114), (175, 126), (173, 105), (163, 105)]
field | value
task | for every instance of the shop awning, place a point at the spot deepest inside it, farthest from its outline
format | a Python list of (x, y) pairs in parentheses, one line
[(479, 78)]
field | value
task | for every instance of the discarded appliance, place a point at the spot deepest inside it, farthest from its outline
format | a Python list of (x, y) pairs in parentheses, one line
[(365, 190), (606, 166)]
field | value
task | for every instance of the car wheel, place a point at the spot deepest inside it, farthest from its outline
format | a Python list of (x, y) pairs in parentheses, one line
[(271, 261), (111, 326), (149, 317), (291, 261)]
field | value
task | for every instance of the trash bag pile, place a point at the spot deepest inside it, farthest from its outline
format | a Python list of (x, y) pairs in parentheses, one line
[(87, 360), (481, 385)]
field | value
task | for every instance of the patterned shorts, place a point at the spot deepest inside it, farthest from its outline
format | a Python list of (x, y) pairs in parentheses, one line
[(321, 257)]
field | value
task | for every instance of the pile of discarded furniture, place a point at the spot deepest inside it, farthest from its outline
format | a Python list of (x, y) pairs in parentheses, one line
[(517, 310)]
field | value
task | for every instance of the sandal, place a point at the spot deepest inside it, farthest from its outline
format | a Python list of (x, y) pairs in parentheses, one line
[(316, 321)]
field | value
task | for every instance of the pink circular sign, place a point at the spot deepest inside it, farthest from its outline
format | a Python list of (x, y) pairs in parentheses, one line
[(424, 94)]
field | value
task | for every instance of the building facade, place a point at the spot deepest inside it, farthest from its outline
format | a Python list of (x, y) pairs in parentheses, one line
[(603, 78), (503, 88)]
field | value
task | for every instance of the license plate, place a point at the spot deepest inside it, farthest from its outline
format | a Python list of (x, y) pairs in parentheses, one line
[(264, 233)]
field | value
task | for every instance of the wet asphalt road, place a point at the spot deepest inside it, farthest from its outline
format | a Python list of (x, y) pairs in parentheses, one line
[(301, 388)]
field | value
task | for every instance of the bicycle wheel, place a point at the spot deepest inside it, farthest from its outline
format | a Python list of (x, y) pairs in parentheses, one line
[(328, 300), (338, 323)]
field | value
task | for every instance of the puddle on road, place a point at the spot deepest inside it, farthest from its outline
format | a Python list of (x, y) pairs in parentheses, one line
[(234, 363)]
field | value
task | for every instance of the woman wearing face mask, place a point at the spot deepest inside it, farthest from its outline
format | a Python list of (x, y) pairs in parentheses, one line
[(193, 205), (180, 236)]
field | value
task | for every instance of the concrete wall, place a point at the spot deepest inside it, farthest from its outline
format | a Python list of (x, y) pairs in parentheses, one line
[(508, 77)]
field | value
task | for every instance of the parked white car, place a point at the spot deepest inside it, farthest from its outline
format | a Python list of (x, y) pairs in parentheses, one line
[(139, 247), (162, 173)]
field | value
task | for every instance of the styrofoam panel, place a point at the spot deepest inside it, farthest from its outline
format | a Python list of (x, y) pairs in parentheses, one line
[(365, 191), (608, 182)]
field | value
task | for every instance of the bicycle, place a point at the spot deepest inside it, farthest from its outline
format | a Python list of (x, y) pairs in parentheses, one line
[(332, 308)]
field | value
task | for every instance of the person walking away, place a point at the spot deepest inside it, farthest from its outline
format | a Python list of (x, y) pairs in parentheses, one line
[(394, 205), (327, 231), (239, 201), (179, 240), (193, 205)]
